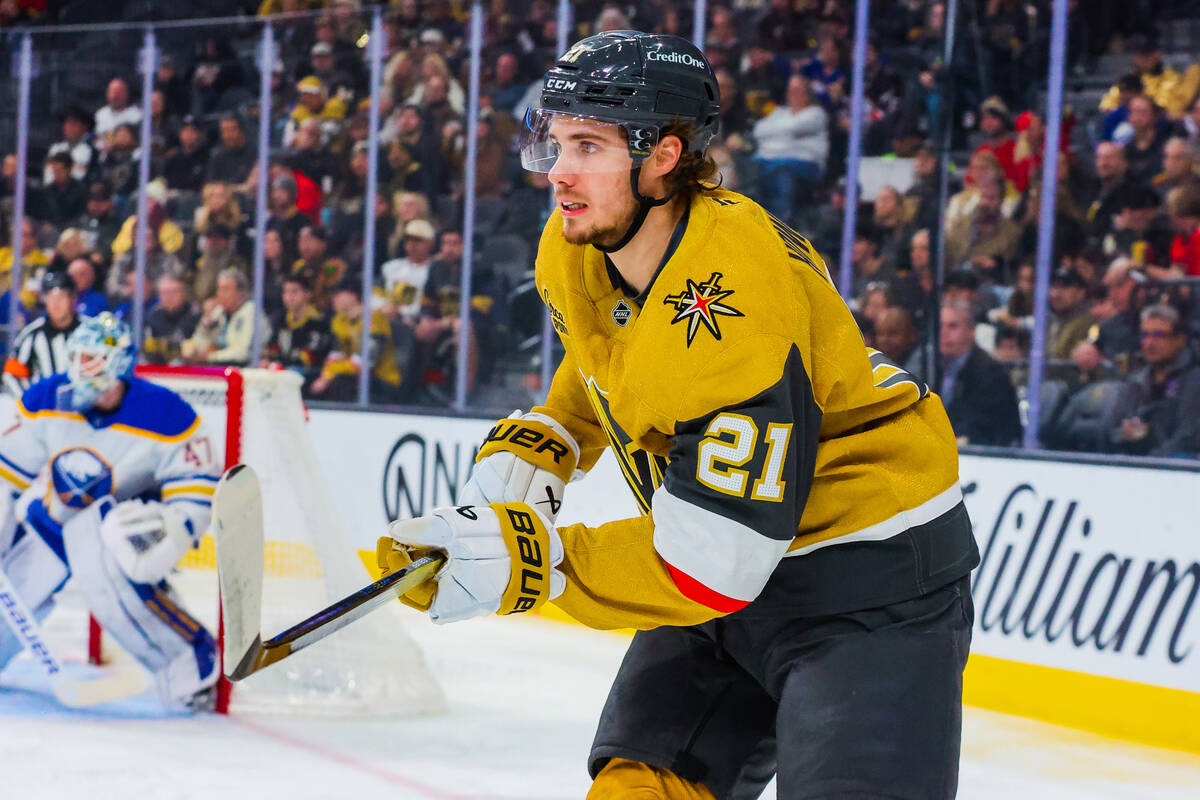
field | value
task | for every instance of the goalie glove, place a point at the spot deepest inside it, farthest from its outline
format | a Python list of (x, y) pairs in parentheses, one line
[(501, 559), (526, 458), (146, 539)]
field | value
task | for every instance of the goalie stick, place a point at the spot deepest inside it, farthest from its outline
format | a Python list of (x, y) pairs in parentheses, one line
[(70, 691), (237, 527)]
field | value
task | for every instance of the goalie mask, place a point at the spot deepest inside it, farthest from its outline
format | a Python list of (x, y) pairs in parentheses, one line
[(100, 354), (639, 82)]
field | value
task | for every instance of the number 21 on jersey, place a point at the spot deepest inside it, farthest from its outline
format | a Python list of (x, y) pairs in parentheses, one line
[(729, 444)]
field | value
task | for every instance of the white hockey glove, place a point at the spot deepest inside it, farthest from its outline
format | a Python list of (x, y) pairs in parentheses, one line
[(501, 559), (526, 458), (147, 539)]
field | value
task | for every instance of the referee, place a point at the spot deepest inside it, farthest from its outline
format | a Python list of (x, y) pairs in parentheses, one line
[(40, 348)]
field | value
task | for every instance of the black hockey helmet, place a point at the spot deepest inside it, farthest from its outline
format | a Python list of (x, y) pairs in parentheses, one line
[(641, 82)]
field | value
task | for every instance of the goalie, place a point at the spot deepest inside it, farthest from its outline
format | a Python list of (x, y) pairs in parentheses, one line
[(798, 574), (86, 449)]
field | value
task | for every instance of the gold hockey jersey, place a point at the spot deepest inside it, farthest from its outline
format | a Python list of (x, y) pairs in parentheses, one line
[(779, 463)]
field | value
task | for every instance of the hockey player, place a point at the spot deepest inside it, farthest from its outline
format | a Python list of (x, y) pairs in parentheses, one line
[(86, 450), (799, 572)]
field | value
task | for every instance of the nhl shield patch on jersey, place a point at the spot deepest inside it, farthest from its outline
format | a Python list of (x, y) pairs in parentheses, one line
[(622, 313), (80, 476), (702, 304)]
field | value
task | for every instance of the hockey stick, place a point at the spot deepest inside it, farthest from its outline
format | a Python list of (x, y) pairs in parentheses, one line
[(237, 527), (73, 692)]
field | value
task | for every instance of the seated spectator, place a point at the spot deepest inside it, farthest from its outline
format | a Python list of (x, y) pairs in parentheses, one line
[(277, 265), (90, 302), (159, 262), (33, 259), (1140, 231), (1145, 150), (300, 336), (167, 80), (405, 278), (314, 104), (124, 299), (69, 247), (793, 144), (891, 224), (1031, 146), (895, 334), (975, 388), (118, 164), (215, 70), (1178, 166), (1113, 185), (219, 207), (987, 239), (117, 113), (962, 204), (1017, 310), (285, 214), (311, 156), (186, 165), (339, 83), (1160, 405), (231, 160), (339, 374), (226, 329), (1070, 316), (867, 266), (99, 224), (506, 87), (1183, 205), (217, 256), (171, 321), (1115, 127), (168, 236), (826, 71), (320, 271), (1113, 343), (877, 298), (995, 123), (64, 197), (76, 143), (438, 92), (1012, 351), (1165, 86)]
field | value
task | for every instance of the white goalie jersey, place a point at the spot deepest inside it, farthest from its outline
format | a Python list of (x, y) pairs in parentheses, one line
[(154, 446)]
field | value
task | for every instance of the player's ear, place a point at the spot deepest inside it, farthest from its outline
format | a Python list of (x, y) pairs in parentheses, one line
[(666, 155)]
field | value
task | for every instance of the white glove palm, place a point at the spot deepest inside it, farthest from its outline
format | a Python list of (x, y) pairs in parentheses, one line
[(500, 558), (147, 539)]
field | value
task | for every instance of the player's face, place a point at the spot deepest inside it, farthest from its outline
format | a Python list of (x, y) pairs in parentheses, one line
[(591, 181)]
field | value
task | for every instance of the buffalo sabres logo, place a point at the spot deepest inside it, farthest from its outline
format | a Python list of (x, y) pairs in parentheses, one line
[(80, 476), (701, 303)]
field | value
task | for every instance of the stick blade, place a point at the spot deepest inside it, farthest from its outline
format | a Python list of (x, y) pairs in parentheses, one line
[(237, 526)]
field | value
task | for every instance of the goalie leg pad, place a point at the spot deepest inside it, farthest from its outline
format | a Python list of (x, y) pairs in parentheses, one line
[(144, 618), (36, 573)]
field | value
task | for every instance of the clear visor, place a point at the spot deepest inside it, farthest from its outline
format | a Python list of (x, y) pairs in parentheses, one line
[(573, 144)]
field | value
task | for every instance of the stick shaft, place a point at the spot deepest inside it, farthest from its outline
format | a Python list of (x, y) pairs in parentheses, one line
[(336, 616)]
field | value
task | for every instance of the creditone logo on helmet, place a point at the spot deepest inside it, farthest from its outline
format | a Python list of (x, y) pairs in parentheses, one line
[(559, 83), (676, 58), (80, 476)]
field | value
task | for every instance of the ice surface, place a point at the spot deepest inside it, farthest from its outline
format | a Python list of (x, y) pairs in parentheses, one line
[(524, 696)]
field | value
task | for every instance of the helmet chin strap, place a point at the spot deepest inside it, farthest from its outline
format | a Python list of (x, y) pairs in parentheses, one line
[(644, 206)]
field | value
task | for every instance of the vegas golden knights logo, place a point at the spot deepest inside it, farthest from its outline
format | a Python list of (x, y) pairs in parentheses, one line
[(643, 471), (572, 55)]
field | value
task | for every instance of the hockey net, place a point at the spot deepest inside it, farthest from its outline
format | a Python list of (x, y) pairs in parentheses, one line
[(371, 667)]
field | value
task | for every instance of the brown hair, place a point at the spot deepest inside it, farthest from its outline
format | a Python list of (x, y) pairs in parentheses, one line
[(1184, 201), (694, 173)]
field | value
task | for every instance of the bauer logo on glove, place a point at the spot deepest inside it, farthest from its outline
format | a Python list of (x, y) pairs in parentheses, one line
[(501, 559)]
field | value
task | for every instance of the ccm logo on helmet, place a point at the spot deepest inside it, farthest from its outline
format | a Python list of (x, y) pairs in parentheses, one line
[(674, 58), (559, 83)]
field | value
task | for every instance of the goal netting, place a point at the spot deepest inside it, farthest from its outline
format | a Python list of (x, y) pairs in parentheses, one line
[(370, 667)]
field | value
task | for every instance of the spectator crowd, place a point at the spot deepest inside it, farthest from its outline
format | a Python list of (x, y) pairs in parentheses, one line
[(1121, 360)]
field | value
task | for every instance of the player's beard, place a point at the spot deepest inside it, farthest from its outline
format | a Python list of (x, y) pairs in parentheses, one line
[(607, 235)]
